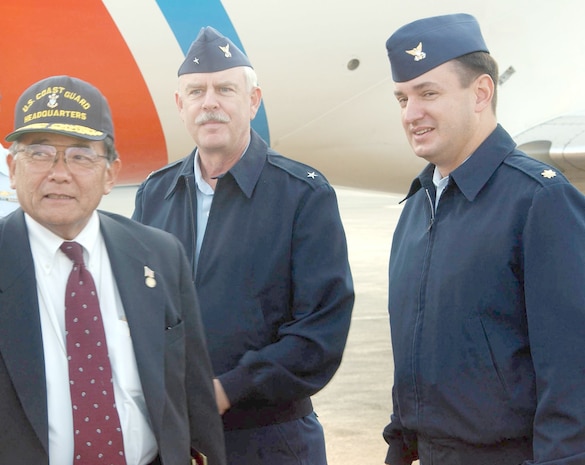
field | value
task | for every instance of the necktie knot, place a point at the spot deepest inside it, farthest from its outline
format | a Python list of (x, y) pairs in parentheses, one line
[(74, 252)]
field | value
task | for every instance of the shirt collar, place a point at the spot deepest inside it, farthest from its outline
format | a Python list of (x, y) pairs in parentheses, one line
[(471, 176), (246, 171), (199, 181), (45, 244), (439, 181), (201, 184)]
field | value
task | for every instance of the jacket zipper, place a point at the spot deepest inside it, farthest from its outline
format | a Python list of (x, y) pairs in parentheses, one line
[(192, 224), (419, 315), (432, 209)]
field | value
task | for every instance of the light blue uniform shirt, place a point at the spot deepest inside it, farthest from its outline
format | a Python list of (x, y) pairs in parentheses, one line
[(440, 184), (204, 195)]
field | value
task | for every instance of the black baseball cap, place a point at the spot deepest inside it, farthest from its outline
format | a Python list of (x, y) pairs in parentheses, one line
[(63, 105)]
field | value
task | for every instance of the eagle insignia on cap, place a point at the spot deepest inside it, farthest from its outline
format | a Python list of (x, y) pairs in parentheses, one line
[(548, 174), (417, 52), (53, 100), (226, 50)]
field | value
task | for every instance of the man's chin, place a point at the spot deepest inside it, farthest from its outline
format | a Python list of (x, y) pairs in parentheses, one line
[(422, 153)]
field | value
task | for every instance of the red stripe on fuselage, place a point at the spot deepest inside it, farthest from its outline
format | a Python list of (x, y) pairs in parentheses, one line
[(80, 39)]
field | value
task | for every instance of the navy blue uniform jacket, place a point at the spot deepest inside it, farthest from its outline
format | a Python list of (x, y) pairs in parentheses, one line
[(166, 332), (273, 278), (487, 308)]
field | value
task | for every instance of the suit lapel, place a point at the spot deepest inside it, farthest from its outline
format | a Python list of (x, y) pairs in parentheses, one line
[(144, 308), (20, 327)]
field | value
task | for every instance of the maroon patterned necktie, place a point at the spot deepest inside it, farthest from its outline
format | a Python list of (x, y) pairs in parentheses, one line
[(97, 432)]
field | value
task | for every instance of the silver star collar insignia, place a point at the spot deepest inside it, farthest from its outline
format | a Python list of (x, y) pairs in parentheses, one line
[(548, 174)]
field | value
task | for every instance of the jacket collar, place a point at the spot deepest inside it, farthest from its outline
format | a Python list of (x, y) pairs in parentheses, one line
[(20, 329), (246, 171), (186, 167), (471, 176)]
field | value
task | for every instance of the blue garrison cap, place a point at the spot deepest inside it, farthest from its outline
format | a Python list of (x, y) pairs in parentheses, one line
[(211, 52), (427, 43)]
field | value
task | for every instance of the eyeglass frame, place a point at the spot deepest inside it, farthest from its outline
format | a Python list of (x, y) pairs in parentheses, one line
[(64, 149)]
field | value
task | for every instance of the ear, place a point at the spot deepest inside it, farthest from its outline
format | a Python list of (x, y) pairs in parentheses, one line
[(112, 171), (484, 92), (180, 105), (178, 100), (11, 162), (255, 101)]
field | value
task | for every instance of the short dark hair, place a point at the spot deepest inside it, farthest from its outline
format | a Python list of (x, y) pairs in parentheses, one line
[(111, 153), (475, 64)]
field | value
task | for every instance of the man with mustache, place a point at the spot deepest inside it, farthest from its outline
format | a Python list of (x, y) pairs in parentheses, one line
[(269, 260)]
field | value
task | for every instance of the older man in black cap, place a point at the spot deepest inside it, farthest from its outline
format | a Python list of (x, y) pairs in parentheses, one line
[(486, 295), (269, 260), (109, 369)]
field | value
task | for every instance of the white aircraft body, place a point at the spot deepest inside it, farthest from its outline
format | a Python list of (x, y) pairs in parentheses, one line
[(322, 64)]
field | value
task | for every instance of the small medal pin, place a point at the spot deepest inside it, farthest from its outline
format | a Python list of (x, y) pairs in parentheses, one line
[(149, 279)]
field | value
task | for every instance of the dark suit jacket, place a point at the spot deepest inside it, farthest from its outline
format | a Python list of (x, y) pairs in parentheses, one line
[(166, 331)]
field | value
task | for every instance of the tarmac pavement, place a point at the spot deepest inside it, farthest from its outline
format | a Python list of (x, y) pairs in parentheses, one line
[(356, 405)]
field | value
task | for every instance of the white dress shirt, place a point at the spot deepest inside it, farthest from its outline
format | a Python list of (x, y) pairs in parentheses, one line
[(52, 268)]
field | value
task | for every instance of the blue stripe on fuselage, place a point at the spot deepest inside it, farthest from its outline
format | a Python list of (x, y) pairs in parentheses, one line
[(186, 18)]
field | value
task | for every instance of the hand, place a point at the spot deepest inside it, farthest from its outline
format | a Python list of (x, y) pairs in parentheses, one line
[(223, 403)]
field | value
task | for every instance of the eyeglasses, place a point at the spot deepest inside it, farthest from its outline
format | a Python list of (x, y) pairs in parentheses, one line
[(42, 157)]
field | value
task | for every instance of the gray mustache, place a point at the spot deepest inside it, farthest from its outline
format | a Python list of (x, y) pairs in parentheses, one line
[(212, 117)]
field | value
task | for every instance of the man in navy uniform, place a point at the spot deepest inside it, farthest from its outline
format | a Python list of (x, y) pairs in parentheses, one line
[(269, 260), (486, 294)]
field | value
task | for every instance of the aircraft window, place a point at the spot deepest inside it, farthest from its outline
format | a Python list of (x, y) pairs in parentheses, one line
[(353, 64)]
